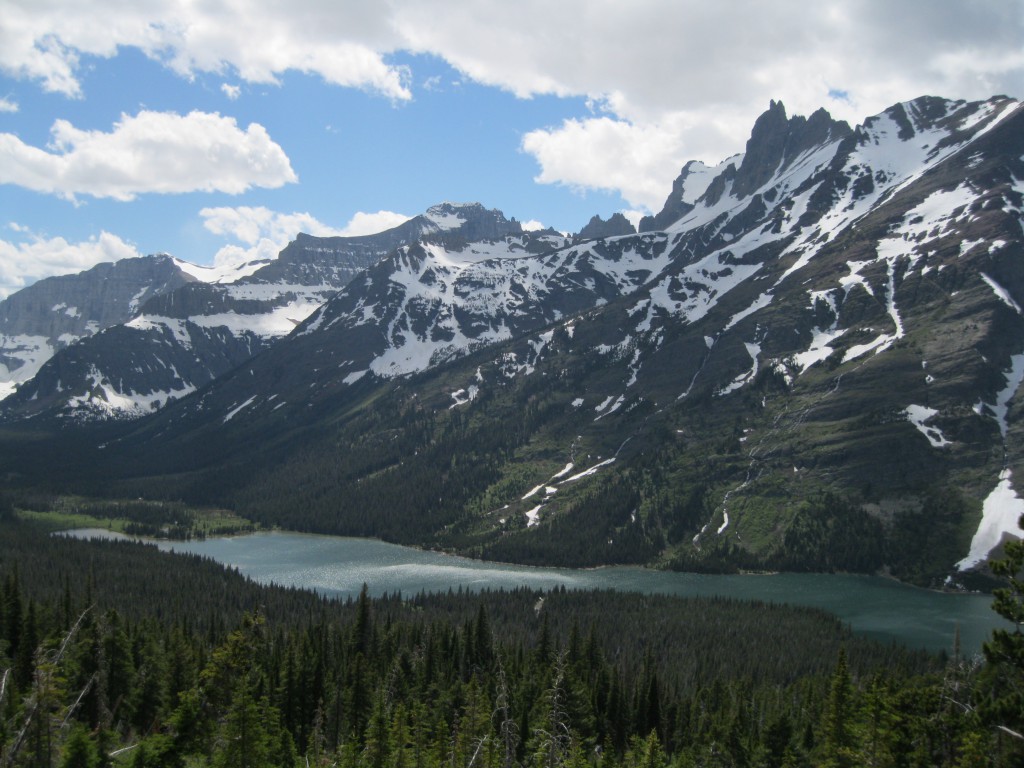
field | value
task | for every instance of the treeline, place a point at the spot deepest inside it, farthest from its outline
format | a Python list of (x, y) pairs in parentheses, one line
[(95, 676)]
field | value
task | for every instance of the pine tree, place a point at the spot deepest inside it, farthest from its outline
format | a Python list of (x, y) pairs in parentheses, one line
[(838, 736), (377, 739), (79, 750), (243, 740)]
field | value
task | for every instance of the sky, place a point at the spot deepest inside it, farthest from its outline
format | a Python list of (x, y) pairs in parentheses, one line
[(217, 131)]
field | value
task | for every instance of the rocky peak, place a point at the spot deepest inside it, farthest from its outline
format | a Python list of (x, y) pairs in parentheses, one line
[(596, 228), (685, 191), (777, 140), (469, 221), (333, 261)]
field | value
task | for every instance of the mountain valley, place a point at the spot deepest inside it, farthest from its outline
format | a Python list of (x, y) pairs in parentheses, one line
[(806, 361)]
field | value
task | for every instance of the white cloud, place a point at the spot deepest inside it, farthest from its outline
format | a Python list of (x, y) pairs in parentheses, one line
[(533, 226), (609, 154), (679, 80), (231, 91), (372, 223), (633, 217), (344, 43), (24, 263), (264, 232), (673, 80), (249, 224), (149, 152), (6, 105)]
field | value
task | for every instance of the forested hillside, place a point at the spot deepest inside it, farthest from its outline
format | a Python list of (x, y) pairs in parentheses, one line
[(118, 654)]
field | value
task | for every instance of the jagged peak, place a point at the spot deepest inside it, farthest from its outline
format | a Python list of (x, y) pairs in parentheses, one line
[(449, 215), (691, 183), (617, 224), (777, 140), (471, 221), (448, 206)]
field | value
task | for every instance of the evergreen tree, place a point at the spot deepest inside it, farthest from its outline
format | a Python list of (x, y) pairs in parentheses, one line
[(377, 739), (838, 726), (646, 753), (242, 741), (28, 643), (79, 750), (777, 741)]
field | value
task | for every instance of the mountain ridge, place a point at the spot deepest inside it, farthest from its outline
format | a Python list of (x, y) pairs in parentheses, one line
[(180, 338), (807, 367)]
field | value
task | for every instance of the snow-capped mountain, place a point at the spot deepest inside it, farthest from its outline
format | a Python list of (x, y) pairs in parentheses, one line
[(165, 342), (53, 313), (808, 359)]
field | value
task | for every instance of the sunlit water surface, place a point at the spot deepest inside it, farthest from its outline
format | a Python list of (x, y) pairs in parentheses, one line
[(339, 566)]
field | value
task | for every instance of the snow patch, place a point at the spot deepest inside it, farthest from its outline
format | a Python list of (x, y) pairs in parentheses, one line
[(25, 355), (588, 472), (612, 409), (104, 398), (1000, 515), (174, 326), (463, 396), (855, 278), (232, 413), (819, 350), (1014, 378), (227, 273), (565, 471), (1003, 294), (533, 492), (918, 415), (744, 378), (442, 220), (759, 303)]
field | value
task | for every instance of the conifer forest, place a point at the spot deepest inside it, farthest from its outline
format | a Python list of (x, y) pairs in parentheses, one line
[(116, 654)]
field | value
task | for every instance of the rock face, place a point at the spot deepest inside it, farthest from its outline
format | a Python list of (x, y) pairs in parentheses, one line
[(812, 363), (58, 311), (777, 142)]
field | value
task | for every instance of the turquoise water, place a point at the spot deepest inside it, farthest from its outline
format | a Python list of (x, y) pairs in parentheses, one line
[(340, 566)]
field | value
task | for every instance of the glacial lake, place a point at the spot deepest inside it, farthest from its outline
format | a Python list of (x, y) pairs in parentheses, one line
[(339, 566)]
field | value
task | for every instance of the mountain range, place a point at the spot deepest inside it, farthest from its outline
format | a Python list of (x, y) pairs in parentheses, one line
[(807, 360)]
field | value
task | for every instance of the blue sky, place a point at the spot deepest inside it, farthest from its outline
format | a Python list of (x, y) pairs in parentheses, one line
[(351, 150), (218, 132)]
